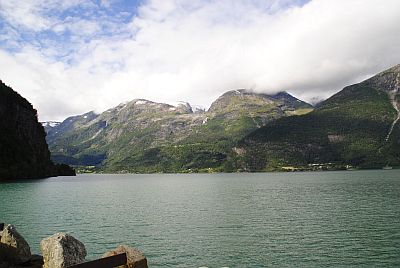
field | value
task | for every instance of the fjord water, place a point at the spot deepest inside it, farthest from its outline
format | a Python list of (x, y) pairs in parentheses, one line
[(313, 219)]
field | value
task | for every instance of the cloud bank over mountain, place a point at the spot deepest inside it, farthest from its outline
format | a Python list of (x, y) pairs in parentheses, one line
[(69, 57)]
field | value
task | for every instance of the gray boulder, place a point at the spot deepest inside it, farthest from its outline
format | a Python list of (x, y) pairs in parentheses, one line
[(13, 247), (62, 250), (135, 259)]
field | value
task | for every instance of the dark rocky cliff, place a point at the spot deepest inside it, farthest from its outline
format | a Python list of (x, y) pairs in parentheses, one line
[(23, 150)]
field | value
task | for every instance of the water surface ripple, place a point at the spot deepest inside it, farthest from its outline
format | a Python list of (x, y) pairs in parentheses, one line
[(316, 219)]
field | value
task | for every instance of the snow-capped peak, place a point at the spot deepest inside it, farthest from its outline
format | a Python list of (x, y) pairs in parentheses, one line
[(182, 106), (198, 109), (181, 103), (50, 123), (138, 102)]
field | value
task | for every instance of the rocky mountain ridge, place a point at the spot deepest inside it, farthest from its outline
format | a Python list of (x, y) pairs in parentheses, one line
[(356, 127), (145, 136), (242, 130)]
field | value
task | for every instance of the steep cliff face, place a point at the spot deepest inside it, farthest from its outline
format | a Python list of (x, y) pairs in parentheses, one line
[(23, 149)]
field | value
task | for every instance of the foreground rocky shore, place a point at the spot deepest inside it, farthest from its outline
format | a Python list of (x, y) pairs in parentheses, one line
[(60, 250)]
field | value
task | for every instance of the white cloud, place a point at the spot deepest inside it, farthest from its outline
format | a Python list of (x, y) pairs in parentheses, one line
[(25, 15), (195, 50)]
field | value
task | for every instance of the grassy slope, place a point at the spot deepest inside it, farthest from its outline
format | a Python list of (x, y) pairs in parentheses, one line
[(168, 141), (208, 147), (348, 128)]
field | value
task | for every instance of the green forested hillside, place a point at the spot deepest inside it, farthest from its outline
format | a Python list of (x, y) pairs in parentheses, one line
[(350, 128), (356, 127), (144, 136)]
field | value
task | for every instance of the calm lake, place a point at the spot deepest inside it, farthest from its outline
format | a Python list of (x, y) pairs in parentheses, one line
[(310, 219)]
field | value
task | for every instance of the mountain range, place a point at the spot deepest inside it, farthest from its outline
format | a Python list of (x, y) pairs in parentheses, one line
[(145, 136), (357, 127), (241, 131)]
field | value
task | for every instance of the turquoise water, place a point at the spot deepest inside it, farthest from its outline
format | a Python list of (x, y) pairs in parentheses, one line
[(316, 219)]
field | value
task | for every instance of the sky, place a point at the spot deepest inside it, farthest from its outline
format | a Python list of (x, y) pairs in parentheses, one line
[(69, 57)]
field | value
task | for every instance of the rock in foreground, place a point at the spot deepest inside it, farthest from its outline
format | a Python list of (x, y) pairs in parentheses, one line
[(13, 247), (135, 259), (62, 250)]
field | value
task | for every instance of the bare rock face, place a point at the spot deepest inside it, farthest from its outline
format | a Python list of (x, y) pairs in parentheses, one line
[(62, 250), (135, 259), (13, 247)]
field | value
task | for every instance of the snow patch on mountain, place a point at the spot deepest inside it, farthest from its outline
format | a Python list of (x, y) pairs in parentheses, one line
[(139, 102), (180, 103), (197, 109), (50, 124)]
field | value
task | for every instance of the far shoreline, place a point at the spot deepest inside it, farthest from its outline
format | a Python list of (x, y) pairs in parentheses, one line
[(25, 180), (239, 172)]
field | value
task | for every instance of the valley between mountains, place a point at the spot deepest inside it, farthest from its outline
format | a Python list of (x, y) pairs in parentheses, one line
[(241, 131)]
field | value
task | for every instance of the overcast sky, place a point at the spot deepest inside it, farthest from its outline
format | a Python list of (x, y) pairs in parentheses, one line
[(68, 57)]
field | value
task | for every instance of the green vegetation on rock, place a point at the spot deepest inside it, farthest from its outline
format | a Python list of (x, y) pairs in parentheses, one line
[(348, 129), (143, 136), (242, 131)]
